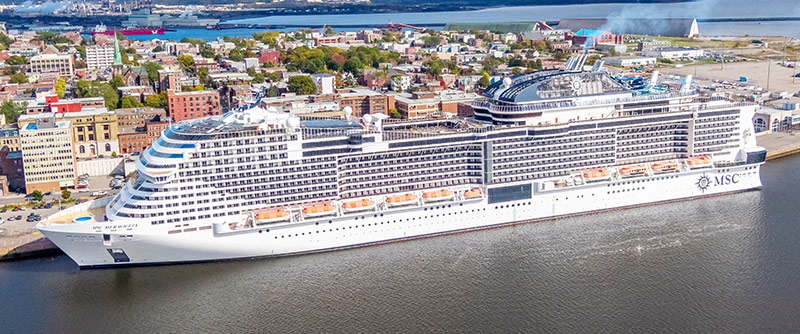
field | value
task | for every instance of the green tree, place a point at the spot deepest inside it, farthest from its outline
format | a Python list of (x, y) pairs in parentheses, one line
[(60, 87), (65, 194), (37, 195), (11, 110), (270, 38), (86, 88), (187, 63), (431, 41), (202, 74), (395, 114), (485, 80), (152, 70), (353, 65), (156, 100), (158, 48), (198, 88), (5, 40), (51, 38), (18, 78), (258, 78), (274, 76), (490, 64), (16, 60), (129, 102), (329, 31), (81, 50), (272, 91), (117, 82), (236, 55), (302, 85)]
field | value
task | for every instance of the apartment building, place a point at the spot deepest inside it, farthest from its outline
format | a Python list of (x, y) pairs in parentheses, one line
[(429, 104), (52, 63), (47, 155), (99, 57), (94, 130), (190, 105)]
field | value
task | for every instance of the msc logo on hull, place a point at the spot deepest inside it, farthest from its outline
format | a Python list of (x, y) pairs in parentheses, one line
[(705, 181)]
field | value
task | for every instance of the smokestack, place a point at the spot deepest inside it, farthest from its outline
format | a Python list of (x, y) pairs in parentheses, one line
[(653, 79), (687, 85), (598, 65)]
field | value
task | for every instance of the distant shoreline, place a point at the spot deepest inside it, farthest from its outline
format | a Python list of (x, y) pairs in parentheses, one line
[(344, 9)]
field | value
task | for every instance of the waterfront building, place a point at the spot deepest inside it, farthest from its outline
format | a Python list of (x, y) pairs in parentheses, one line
[(674, 53), (630, 61), (52, 63), (47, 155), (190, 105)]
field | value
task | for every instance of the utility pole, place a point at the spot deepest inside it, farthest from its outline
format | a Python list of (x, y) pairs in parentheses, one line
[(769, 67)]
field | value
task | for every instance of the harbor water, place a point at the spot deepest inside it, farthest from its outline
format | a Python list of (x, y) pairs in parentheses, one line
[(728, 264), (711, 9)]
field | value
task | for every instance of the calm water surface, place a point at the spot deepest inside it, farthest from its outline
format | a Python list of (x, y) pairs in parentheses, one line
[(694, 9), (727, 264)]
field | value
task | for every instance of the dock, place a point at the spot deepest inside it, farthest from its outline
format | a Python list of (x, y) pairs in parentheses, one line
[(779, 144)]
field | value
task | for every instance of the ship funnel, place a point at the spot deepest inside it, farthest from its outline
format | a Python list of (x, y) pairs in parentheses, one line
[(598, 65), (687, 85), (653, 79)]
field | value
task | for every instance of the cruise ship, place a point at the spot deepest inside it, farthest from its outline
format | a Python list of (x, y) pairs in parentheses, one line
[(255, 182)]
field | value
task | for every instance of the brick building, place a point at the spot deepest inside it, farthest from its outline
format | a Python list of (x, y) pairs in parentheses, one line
[(429, 104), (190, 105)]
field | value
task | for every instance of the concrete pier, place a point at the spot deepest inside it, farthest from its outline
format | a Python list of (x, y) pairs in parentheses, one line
[(779, 144)]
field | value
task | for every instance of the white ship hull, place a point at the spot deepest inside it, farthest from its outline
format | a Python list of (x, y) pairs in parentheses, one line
[(145, 245)]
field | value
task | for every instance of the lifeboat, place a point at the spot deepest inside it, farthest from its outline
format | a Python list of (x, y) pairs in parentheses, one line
[(437, 195), (597, 174), (401, 200), (271, 216), (664, 166), (473, 193), (699, 162), (634, 170), (359, 205), (319, 210)]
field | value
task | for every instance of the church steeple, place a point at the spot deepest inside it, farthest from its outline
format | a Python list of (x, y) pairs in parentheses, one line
[(117, 54)]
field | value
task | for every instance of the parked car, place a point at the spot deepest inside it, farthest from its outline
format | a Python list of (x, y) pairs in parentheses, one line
[(16, 208), (48, 205), (100, 193), (19, 217), (3, 210), (11, 219)]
